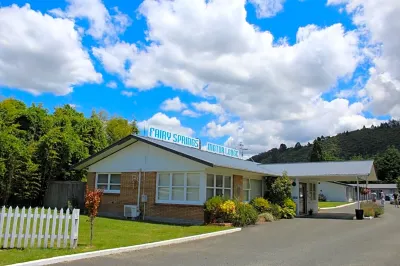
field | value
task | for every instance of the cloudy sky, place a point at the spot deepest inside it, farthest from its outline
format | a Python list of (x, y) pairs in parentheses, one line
[(263, 72)]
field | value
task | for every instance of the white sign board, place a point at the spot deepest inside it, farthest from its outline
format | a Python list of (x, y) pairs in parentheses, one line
[(165, 135), (215, 148)]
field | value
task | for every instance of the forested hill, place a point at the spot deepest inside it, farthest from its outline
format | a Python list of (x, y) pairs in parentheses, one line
[(365, 143)]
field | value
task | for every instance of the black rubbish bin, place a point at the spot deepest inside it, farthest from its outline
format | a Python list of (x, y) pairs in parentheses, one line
[(359, 214)]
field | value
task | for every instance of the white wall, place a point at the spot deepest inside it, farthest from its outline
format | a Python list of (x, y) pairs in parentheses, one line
[(333, 192), (146, 157)]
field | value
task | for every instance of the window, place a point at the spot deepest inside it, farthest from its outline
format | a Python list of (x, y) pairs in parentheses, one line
[(251, 189), (219, 185), (313, 191), (110, 183), (178, 188)]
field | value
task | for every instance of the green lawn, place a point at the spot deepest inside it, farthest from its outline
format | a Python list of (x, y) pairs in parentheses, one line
[(109, 233), (328, 204)]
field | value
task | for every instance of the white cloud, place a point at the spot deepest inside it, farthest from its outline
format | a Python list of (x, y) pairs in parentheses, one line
[(207, 107), (39, 53), (112, 84), (162, 121), (190, 113), (127, 93), (173, 104), (272, 87), (267, 8), (102, 23), (380, 23)]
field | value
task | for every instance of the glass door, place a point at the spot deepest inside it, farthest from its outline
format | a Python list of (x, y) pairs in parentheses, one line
[(302, 198)]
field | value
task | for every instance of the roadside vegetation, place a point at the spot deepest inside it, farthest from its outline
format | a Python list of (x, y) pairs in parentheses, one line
[(329, 204)]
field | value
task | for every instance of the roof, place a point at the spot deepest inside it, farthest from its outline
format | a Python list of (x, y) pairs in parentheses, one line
[(340, 183), (330, 171), (378, 186), (360, 169), (201, 156)]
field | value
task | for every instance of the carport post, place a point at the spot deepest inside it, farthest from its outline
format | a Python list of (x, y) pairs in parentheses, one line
[(298, 196), (358, 194)]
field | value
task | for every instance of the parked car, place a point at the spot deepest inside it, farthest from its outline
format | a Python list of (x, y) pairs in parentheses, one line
[(388, 197)]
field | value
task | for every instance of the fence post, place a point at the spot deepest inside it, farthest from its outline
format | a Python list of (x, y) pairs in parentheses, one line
[(53, 228), (2, 217), (74, 228), (46, 232), (14, 228), (40, 235), (67, 217), (8, 223), (21, 228), (28, 228), (60, 224)]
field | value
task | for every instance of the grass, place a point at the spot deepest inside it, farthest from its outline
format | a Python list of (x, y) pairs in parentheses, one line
[(108, 233), (327, 204)]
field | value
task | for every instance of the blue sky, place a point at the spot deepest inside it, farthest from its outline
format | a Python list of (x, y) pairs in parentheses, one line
[(237, 84)]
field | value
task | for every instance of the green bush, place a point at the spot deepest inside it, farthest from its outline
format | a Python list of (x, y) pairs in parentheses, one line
[(212, 209), (288, 213), (260, 204), (266, 216), (276, 211), (245, 215), (372, 209), (278, 189), (289, 203)]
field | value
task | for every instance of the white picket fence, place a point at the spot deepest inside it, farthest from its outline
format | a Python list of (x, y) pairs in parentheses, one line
[(20, 228)]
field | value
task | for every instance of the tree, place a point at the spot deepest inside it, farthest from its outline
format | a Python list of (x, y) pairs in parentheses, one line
[(398, 183), (278, 189), (92, 203), (297, 146), (388, 165), (118, 128), (316, 154), (282, 147)]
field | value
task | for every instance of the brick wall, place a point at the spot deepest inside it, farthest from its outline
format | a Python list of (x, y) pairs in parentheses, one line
[(113, 204), (238, 187)]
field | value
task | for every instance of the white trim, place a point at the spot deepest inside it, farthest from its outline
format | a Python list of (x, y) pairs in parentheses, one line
[(108, 184), (106, 252)]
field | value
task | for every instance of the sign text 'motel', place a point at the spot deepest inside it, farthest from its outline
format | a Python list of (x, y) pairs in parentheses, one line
[(173, 137), (215, 148)]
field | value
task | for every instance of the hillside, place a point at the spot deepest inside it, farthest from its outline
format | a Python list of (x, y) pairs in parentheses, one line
[(364, 143)]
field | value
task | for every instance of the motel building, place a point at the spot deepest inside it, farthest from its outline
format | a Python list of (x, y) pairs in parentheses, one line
[(167, 177)]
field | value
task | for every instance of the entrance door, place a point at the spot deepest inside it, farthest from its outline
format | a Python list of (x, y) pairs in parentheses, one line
[(303, 198)]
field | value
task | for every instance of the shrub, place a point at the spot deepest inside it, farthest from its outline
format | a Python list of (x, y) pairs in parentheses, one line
[(321, 197), (260, 204), (278, 189), (266, 217), (245, 215), (228, 210), (212, 209), (288, 213), (276, 211), (372, 209), (92, 203), (289, 203)]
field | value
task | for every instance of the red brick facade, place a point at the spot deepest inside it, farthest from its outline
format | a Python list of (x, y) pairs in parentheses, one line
[(113, 204)]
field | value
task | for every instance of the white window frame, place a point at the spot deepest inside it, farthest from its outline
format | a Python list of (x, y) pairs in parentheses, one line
[(223, 185), (247, 190), (313, 191), (108, 184), (185, 187)]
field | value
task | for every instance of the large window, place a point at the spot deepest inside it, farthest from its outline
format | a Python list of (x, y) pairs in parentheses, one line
[(109, 182), (219, 185), (251, 189), (178, 188)]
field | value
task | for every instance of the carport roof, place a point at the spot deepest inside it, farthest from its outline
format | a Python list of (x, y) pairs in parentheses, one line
[(339, 171)]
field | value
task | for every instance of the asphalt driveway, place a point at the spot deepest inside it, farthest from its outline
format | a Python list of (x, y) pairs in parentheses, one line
[(298, 242)]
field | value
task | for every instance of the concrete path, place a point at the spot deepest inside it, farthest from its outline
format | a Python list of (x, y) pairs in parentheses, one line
[(298, 242)]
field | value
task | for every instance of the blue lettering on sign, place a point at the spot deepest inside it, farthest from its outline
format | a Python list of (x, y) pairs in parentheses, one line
[(173, 137), (215, 148)]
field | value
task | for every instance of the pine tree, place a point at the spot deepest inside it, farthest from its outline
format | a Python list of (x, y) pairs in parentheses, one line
[(316, 154)]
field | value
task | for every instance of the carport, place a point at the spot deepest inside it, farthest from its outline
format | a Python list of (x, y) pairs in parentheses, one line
[(306, 177)]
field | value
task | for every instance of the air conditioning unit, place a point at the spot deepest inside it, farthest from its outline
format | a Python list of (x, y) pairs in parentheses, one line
[(131, 211)]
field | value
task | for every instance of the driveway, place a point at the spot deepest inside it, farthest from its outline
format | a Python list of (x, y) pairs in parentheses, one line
[(298, 242)]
